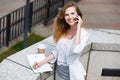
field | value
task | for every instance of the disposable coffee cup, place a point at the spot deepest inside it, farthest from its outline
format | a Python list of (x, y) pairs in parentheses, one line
[(41, 48)]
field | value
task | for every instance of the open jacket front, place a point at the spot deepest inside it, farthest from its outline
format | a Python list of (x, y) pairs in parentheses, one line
[(77, 72)]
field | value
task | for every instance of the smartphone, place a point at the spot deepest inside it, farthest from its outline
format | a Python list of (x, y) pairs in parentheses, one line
[(76, 18), (79, 14)]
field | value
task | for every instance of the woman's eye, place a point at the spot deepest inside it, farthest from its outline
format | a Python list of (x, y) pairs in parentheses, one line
[(66, 14), (72, 13)]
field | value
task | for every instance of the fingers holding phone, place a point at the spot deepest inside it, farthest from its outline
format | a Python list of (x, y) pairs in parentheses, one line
[(79, 21)]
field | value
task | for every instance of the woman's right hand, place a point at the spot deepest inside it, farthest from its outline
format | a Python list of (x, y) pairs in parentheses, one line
[(47, 59), (36, 65)]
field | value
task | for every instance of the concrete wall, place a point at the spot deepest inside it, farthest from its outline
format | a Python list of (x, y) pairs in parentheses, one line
[(102, 51)]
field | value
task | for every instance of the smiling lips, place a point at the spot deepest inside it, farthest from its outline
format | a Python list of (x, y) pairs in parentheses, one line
[(72, 20)]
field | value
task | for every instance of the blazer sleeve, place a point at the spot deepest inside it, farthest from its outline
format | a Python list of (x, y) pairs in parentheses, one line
[(81, 46), (54, 52)]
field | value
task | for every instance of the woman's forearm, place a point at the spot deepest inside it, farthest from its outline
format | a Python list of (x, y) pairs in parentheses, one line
[(77, 40), (78, 33), (47, 59)]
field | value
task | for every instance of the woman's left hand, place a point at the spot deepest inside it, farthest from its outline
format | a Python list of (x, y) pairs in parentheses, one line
[(79, 21)]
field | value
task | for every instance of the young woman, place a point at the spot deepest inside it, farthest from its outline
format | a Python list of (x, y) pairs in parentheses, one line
[(70, 38)]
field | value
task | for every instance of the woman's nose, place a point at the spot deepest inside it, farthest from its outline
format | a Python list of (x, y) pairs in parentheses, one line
[(70, 16)]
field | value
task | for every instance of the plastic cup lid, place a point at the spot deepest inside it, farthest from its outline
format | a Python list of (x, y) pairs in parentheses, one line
[(42, 46)]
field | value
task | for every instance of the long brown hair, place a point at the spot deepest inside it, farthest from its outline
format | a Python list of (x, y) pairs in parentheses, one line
[(61, 27)]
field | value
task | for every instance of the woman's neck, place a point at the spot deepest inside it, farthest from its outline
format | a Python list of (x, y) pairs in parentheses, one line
[(73, 28), (71, 32)]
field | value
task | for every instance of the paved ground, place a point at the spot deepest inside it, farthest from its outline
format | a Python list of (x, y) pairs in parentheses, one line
[(97, 13), (7, 6), (101, 13)]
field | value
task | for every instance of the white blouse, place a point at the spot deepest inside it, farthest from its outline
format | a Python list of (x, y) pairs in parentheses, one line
[(65, 53), (62, 47)]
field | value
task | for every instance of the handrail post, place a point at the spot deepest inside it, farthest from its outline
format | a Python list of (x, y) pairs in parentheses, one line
[(63, 2), (26, 25), (48, 9), (8, 29), (30, 16), (48, 12)]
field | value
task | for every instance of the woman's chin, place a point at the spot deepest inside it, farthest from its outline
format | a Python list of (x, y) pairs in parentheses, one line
[(72, 24)]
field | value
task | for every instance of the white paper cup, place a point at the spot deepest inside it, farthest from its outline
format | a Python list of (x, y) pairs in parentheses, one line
[(41, 48)]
